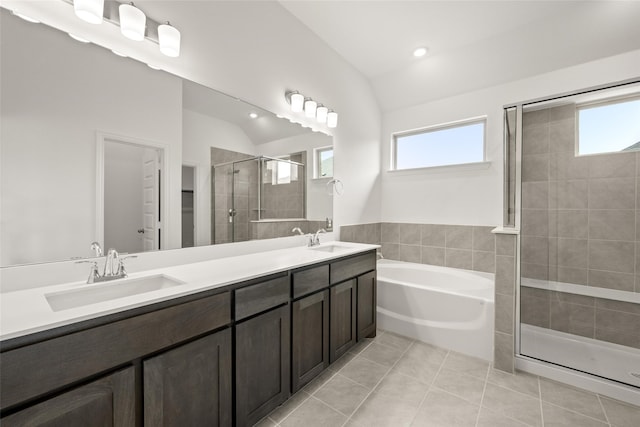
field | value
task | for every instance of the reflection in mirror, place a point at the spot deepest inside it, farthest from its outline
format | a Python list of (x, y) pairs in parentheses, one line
[(59, 97)]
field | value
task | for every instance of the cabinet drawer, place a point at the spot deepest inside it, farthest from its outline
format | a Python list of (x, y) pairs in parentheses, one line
[(310, 280), (261, 297), (31, 371), (352, 267)]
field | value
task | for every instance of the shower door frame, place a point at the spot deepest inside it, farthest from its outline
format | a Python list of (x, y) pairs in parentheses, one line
[(523, 362)]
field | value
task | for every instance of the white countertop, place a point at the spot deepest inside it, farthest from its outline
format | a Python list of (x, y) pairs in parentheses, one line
[(23, 312)]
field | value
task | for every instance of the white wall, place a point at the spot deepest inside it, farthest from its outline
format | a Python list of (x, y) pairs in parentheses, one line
[(52, 105), (199, 133), (319, 202), (474, 197)]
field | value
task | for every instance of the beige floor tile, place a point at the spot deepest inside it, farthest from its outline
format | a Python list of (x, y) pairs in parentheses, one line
[(441, 409), (520, 381), (581, 401), (466, 365), (382, 354), (314, 413), (621, 414), (555, 416), (281, 412), (265, 422), (384, 411), (318, 381), (398, 385), (464, 386), (513, 404), (342, 394), (364, 372), (421, 361), (489, 418), (393, 340), (342, 361)]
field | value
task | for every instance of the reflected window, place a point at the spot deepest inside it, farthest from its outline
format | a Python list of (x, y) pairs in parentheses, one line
[(445, 145), (324, 162), (609, 127)]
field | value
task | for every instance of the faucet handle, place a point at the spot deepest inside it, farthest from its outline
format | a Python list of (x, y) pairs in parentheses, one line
[(94, 273), (122, 272)]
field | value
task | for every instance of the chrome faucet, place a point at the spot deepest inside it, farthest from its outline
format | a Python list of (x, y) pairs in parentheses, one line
[(297, 230), (315, 239), (113, 267)]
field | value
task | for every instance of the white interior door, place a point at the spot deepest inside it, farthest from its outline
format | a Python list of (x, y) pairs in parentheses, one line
[(151, 219)]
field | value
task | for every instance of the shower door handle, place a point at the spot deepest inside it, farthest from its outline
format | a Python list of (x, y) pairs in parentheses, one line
[(232, 213)]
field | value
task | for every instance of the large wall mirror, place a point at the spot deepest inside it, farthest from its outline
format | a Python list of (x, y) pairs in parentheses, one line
[(96, 147)]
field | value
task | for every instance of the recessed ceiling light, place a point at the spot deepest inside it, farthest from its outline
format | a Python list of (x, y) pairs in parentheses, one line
[(421, 51), (78, 38), (25, 17), (253, 115), (119, 53)]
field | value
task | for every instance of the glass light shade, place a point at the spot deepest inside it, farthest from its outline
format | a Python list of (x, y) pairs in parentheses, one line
[(321, 114), (297, 102), (310, 107), (332, 119), (132, 22), (169, 40), (90, 11)]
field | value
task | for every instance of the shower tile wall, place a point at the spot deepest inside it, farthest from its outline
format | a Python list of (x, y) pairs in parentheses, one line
[(457, 246), (579, 225), (285, 200)]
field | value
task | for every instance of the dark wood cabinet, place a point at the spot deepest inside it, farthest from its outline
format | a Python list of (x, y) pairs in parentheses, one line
[(367, 304), (343, 319), (109, 401), (262, 364), (190, 384), (310, 338)]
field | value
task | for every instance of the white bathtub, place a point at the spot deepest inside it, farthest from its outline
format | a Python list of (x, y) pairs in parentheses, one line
[(446, 307), (608, 360)]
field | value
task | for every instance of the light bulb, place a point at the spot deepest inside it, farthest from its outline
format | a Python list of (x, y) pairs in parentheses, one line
[(90, 11), (169, 40), (132, 22)]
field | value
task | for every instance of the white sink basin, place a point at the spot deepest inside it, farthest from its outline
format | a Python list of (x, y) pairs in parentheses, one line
[(99, 292), (331, 248)]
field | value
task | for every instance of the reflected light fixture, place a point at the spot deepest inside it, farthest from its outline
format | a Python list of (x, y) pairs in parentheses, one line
[(25, 17), (332, 119), (253, 115), (78, 38), (118, 53), (297, 102), (169, 40), (90, 11), (154, 67), (310, 107), (132, 22), (321, 113)]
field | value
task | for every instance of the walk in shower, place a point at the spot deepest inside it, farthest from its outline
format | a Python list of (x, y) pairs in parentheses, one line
[(572, 187), (257, 197)]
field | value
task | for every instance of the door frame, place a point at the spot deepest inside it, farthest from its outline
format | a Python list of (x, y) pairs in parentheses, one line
[(101, 139), (196, 198)]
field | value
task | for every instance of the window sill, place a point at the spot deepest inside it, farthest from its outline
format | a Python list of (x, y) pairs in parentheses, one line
[(322, 178), (442, 169)]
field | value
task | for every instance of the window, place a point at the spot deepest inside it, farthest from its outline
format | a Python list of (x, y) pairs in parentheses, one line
[(440, 146), (324, 162), (609, 127)]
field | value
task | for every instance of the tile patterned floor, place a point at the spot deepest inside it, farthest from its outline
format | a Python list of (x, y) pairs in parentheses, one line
[(392, 381)]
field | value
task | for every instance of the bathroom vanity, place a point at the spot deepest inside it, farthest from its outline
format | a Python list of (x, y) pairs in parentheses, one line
[(224, 351)]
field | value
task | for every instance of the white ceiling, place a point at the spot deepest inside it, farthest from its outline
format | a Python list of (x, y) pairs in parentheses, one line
[(472, 44)]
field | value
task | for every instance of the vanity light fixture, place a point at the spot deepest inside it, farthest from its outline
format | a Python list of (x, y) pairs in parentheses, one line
[(78, 38), (169, 40), (332, 119), (91, 11), (310, 107), (133, 22), (296, 99), (321, 113), (25, 17)]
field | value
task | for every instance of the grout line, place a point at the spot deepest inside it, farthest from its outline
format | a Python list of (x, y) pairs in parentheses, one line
[(446, 356), (540, 400), (378, 383), (484, 389), (580, 413)]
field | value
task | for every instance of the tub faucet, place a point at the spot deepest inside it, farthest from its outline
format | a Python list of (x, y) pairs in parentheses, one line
[(315, 240), (95, 247), (379, 255)]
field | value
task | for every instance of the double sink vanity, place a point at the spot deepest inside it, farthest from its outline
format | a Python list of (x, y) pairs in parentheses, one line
[(219, 342)]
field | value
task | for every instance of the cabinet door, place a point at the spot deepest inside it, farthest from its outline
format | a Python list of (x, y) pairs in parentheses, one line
[(367, 303), (310, 343), (109, 401), (343, 319), (262, 364), (190, 384)]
